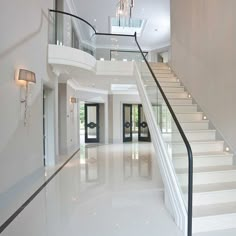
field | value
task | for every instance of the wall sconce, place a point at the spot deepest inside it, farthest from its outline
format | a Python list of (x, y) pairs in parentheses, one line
[(28, 77), (73, 100)]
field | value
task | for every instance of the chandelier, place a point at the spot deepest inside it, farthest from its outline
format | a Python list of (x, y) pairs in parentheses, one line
[(124, 8)]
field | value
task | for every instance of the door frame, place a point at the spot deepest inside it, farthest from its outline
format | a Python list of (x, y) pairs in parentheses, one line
[(86, 125)]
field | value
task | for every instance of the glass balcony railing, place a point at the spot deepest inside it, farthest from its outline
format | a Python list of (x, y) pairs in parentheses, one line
[(68, 30), (72, 31)]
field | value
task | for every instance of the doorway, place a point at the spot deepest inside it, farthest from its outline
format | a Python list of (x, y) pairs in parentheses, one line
[(135, 127)]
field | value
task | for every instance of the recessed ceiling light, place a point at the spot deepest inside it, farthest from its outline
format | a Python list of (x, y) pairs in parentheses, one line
[(95, 20)]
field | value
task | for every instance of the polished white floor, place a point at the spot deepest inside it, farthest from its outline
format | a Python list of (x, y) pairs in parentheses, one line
[(103, 191)]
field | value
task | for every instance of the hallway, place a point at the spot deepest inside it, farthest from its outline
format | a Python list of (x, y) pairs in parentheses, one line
[(103, 191)]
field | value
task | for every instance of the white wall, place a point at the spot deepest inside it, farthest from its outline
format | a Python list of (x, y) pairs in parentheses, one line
[(203, 52), (152, 55), (24, 40), (68, 119), (165, 56), (72, 120), (62, 117)]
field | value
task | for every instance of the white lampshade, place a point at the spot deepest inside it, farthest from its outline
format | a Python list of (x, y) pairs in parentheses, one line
[(27, 76)]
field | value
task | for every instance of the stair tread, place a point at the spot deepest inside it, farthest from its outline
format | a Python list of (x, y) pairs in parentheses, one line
[(214, 209)]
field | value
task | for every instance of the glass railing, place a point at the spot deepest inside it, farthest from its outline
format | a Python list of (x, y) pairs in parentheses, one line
[(105, 43), (68, 30), (124, 55), (176, 143), (72, 31)]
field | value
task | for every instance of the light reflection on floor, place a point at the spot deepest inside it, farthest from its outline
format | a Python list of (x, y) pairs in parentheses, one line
[(104, 191)]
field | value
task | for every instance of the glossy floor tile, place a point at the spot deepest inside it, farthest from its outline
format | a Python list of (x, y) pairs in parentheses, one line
[(103, 191)]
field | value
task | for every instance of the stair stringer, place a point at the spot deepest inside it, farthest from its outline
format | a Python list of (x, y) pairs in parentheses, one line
[(173, 196)]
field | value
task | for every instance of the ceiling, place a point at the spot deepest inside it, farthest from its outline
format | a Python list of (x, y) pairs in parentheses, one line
[(156, 33)]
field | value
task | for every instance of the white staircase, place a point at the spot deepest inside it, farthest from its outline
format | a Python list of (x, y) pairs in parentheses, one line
[(214, 178)]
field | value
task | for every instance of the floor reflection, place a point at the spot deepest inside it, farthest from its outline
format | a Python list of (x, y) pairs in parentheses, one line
[(104, 191), (137, 163)]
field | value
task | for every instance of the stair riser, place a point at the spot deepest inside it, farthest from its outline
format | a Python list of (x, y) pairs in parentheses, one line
[(166, 75), (179, 109), (169, 84), (180, 163), (214, 223), (189, 117), (153, 95), (158, 65), (167, 79), (173, 89), (209, 177), (198, 147), (197, 136), (180, 102), (166, 89), (218, 197), (177, 95), (172, 102), (193, 126), (162, 71)]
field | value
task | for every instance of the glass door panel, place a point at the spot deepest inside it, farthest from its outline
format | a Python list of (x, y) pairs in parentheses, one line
[(91, 123), (143, 132), (127, 122)]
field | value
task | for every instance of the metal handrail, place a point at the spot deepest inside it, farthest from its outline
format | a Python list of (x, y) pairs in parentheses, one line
[(186, 142)]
